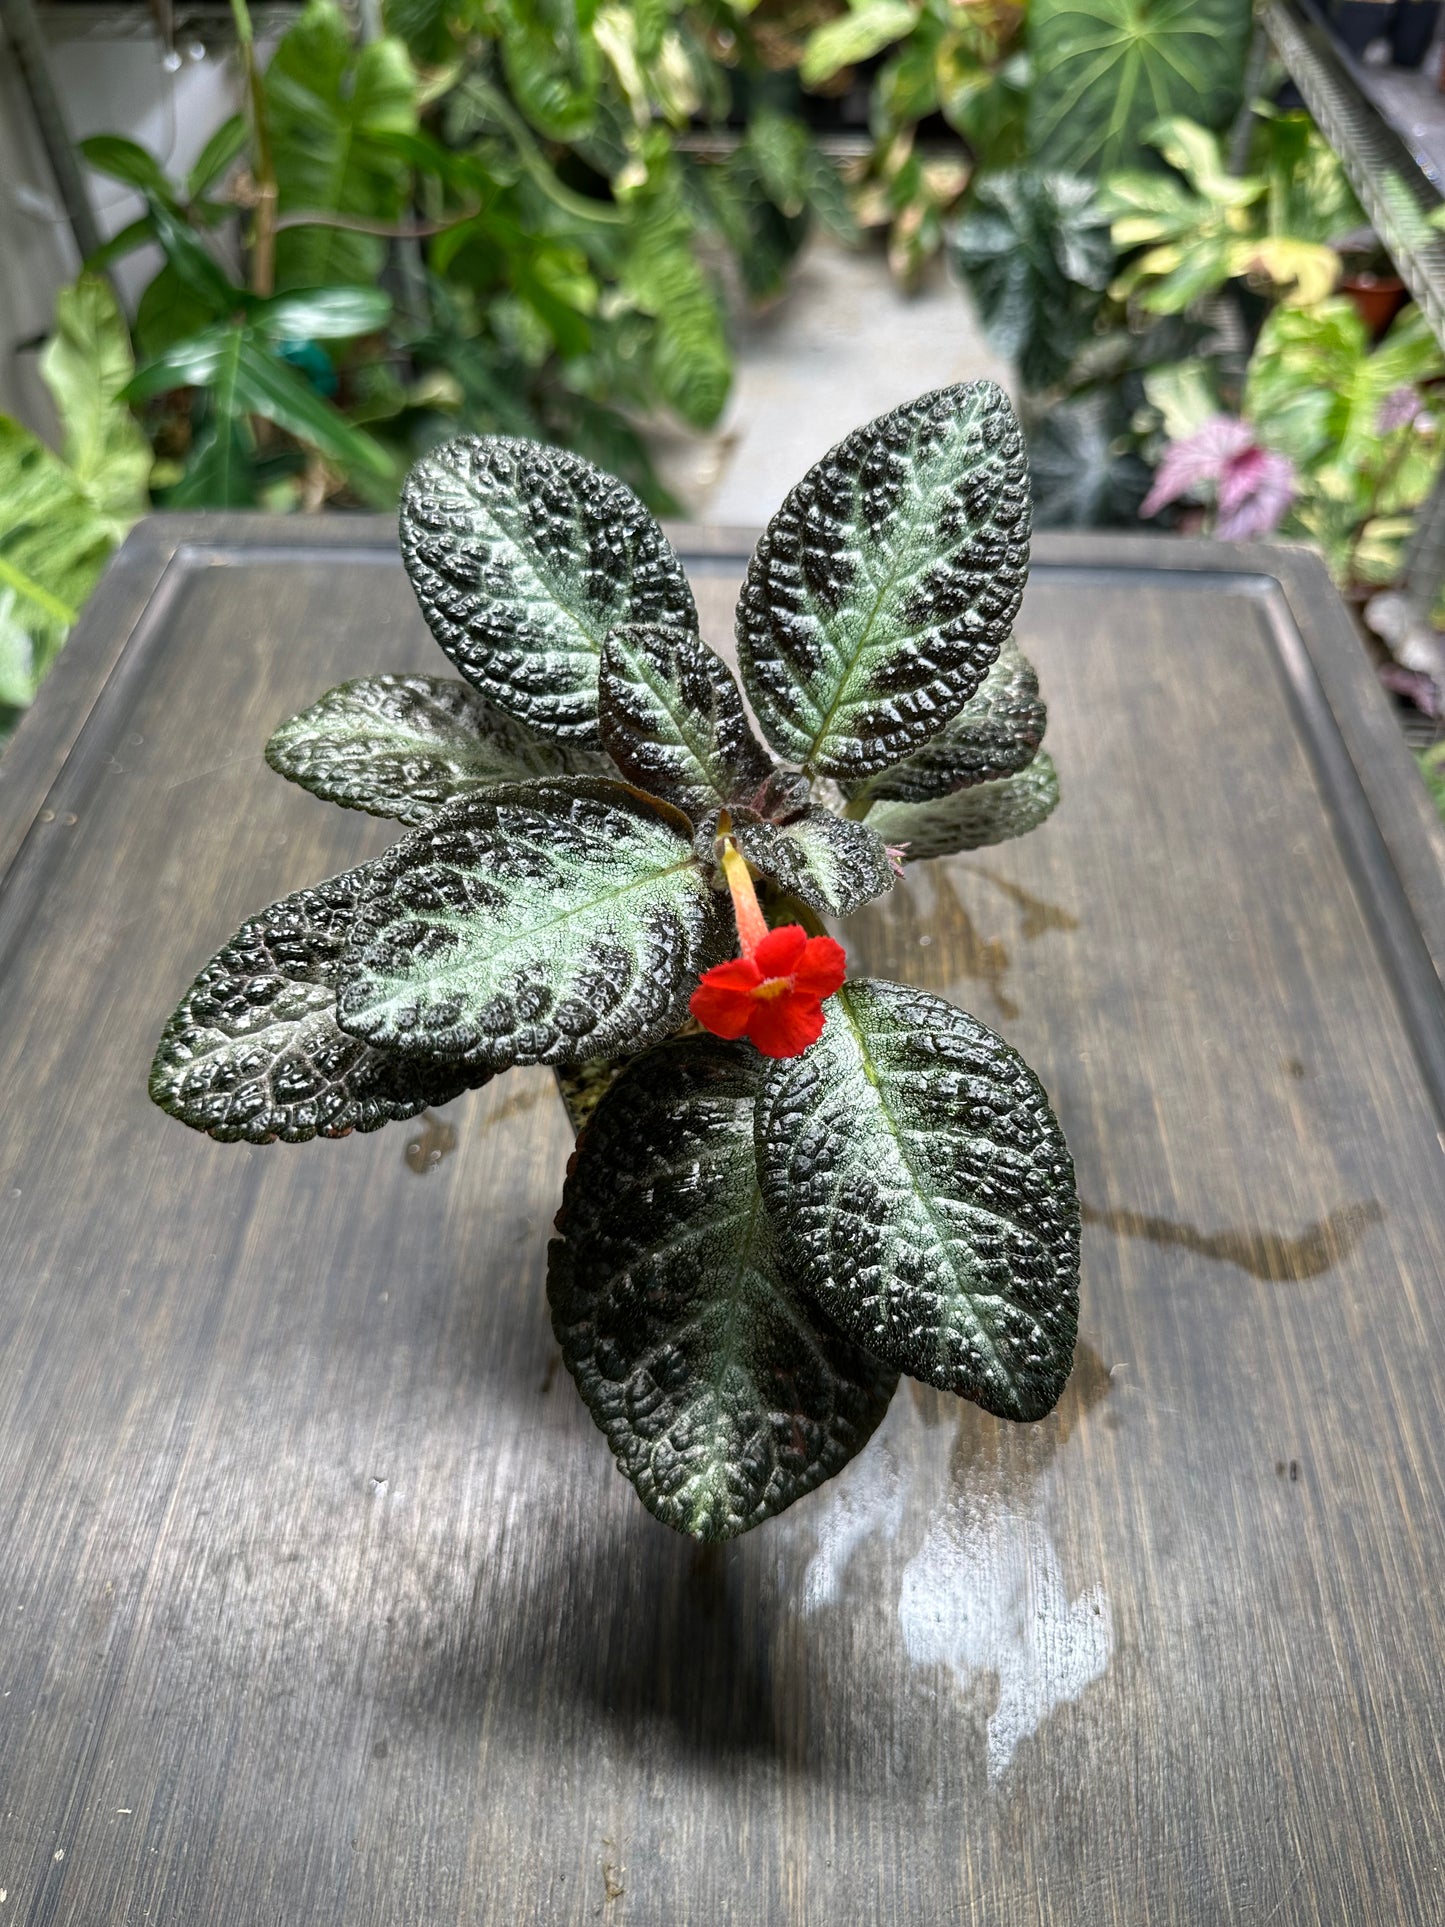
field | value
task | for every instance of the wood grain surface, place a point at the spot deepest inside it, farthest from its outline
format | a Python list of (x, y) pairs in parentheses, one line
[(322, 1603)]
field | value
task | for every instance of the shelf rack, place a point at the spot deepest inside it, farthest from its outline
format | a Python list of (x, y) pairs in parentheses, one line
[(1399, 182)]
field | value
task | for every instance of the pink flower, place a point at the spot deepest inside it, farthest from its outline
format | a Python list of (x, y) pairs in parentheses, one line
[(1253, 486)]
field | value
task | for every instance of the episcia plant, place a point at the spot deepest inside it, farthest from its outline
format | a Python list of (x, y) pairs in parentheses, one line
[(789, 1185)]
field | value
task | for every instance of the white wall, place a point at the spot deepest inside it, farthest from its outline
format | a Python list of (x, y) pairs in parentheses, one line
[(111, 83)]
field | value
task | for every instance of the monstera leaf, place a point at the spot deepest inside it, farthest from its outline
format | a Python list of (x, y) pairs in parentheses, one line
[(333, 109), (1104, 70), (833, 865), (534, 923), (672, 719), (402, 746), (253, 1053), (924, 1196), (970, 819), (523, 558), (724, 1394), (878, 597), (995, 734)]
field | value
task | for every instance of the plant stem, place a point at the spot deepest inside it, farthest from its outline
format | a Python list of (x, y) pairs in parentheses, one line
[(263, 231)]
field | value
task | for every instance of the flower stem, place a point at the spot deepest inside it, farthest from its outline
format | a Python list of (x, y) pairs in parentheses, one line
[(752, 924)]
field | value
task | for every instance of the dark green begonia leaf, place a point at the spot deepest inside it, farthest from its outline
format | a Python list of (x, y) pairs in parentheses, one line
[(402, 746), (879, 595), (970, 819), (924, 1195), (534, 923), (827, 862), (672, 719), (724, 1393), (523, 558), (995, 734), (254, 1052)]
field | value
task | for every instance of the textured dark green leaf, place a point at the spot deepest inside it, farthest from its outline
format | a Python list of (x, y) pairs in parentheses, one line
[(924, 1195), (1087, 471), (880, 592), (831, 864), (995, 734), (1036, 254), (535, 923), (1105, 70), (253, 1053), (972, 818), (523, 558), (672, 719), (403, 746), (723, 1393)]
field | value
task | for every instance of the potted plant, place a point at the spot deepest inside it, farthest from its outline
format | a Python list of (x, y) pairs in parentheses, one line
[(789, 1185)]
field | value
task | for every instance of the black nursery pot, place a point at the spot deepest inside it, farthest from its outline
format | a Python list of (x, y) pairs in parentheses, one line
[(1413, 29), (1356, 23)]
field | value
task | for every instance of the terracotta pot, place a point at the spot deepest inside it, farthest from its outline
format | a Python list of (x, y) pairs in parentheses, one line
[(1378, 298)]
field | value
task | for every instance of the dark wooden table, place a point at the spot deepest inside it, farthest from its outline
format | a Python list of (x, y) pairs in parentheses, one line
[(322, 1604)]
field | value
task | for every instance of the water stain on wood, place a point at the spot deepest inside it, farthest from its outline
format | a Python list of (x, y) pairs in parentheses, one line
[(436, 1140), (1271, 1255)]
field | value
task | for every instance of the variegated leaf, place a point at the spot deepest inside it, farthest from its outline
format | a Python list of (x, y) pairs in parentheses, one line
[(673, 721), (254, 1052), (881, 591), (995, 734), (535, 923), (924, 1195), (831, 864), (971, 818), (522, 558), (724, 1394), (403, 745)]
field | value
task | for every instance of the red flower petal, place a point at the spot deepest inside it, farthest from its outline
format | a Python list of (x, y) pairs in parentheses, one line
[(821, 968), (786, 1026), (723, 1001), (778, 953)]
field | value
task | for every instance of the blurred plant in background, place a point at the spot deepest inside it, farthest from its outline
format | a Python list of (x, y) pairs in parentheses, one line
[(512, 174), (64, 513), (956, 63)]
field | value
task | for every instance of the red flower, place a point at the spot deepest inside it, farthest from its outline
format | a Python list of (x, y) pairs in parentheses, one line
[(773, 993), (775, 996)]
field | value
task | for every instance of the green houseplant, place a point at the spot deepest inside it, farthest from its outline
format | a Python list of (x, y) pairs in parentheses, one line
[(774, 1206)]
